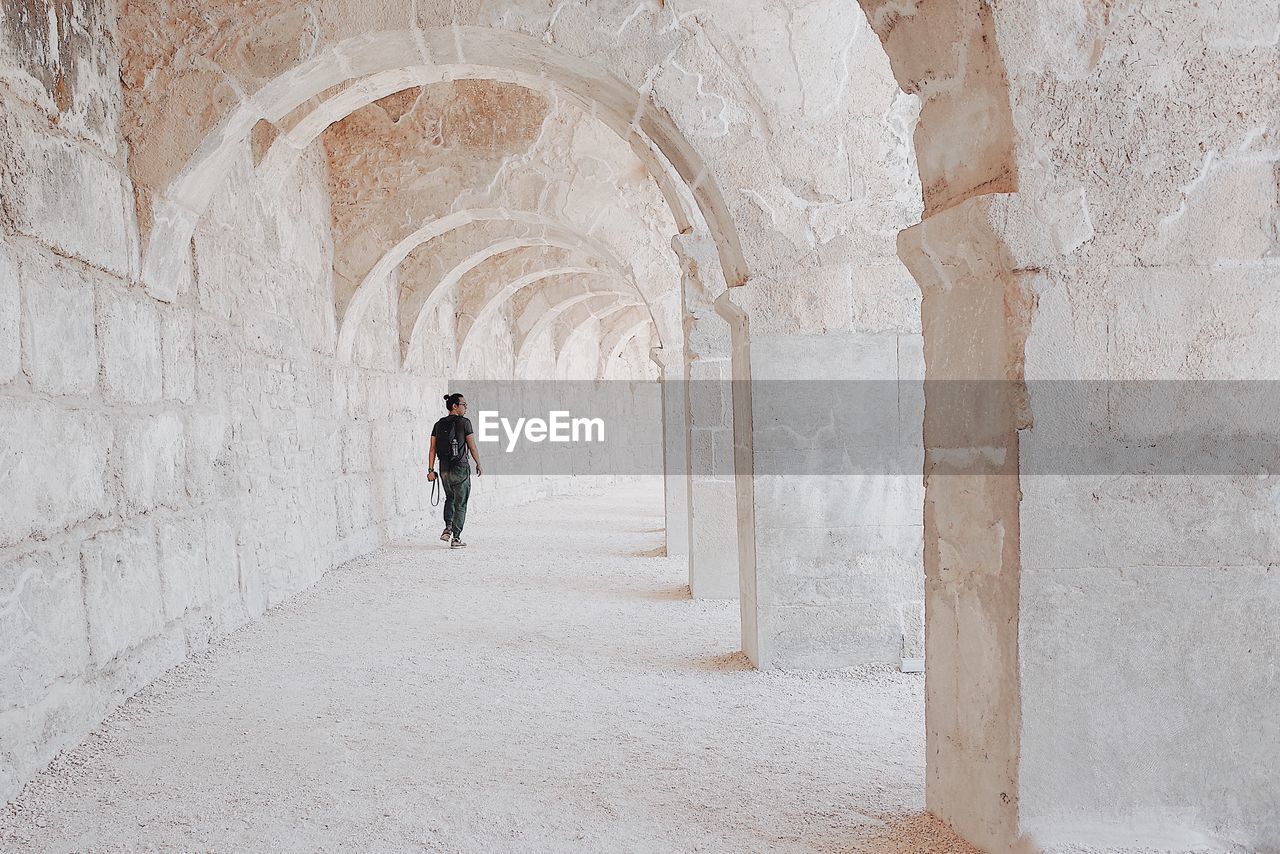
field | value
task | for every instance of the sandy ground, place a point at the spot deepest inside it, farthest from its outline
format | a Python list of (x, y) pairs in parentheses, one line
[(550, 688)]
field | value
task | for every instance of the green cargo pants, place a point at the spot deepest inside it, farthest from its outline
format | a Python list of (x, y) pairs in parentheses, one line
[(457, 489)]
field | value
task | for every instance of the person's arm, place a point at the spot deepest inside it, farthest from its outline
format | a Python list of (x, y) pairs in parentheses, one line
[(475, 455), (431, 459)]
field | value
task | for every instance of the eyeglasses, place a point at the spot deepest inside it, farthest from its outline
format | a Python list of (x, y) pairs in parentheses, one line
[(462, 403)]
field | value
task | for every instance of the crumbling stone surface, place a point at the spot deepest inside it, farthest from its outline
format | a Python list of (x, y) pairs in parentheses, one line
[(62, 57)]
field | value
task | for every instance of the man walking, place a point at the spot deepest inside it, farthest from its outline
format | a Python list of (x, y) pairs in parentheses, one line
[(451, 439)]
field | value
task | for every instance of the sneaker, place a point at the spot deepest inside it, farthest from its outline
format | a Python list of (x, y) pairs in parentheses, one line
[(457, 544), (446, 536)]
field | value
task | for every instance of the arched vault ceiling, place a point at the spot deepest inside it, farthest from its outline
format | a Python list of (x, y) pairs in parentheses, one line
[(441, 262), (483, 270), (618, 323), (729, 105), (422, 154), (572, 322), (533, 309), (493, 283), (569, 315), (659, 291), (177, 187)]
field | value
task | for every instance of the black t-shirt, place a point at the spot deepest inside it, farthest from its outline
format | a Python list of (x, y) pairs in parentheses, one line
[(451, 434)]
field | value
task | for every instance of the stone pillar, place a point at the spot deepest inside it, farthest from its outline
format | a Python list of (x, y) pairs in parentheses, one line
[(1091, 610), (713, 553), (675, 449), (972, 520), (1097, 633), (828, 419)]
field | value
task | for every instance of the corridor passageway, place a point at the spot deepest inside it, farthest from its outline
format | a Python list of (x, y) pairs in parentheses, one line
[(551, 688), (948, 330)]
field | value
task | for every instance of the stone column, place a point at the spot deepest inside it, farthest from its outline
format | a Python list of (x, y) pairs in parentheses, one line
[(828, 414), (972, 520), (713, 553), (675, 449), (1100, 582), (1078, 598)]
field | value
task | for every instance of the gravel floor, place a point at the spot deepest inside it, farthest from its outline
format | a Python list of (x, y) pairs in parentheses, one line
[(550, 688)]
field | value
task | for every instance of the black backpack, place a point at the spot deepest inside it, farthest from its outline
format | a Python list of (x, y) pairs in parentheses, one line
[(453, 451)]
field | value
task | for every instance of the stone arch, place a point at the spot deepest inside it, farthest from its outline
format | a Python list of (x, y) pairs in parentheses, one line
[(536, 228), (959, 74), (547, 303), (558, 325), (504, 292), (404, 59), (288, 146), (568, 324), (500, 294), (567, 328), (472, 244), (420, 301)]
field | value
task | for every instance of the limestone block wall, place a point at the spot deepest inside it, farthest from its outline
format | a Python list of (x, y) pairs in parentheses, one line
[(316, 427), (170, 470)]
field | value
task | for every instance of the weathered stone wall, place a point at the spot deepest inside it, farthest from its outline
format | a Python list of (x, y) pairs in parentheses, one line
[(1088, 632), (1152, 597), (170, 471)]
